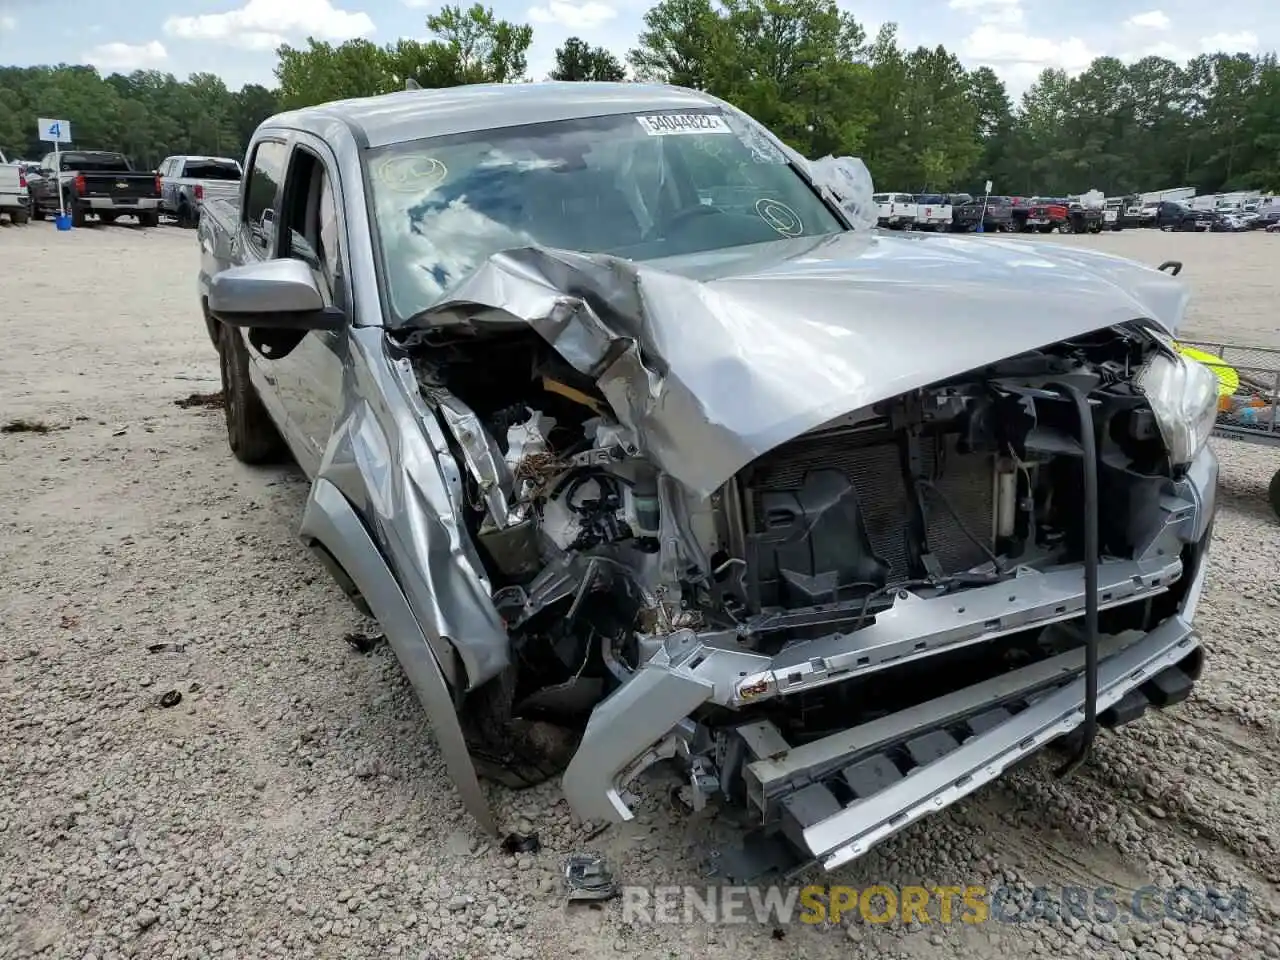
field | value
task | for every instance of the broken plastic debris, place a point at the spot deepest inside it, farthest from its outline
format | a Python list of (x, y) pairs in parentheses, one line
[(171, 699), (361, 643), (167, 647), (587, 878), (517, 843)]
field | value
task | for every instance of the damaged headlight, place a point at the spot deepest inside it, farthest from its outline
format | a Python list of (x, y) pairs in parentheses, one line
[(1183, 394)]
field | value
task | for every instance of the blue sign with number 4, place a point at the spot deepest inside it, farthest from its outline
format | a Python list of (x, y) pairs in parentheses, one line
[(54, 131)]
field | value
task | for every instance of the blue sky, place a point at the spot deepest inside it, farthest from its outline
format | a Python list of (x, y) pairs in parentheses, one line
[(235, 38)]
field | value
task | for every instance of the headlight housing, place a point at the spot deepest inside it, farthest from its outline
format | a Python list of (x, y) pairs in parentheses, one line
[(1183, 394)]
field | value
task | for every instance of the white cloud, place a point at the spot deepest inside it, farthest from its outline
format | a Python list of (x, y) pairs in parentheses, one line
[(265, 24), (127, 56), (580, 16), (1162, 48), (990, 45), (1241, 42), (1007, 12), (1151, 20), (419, 4), (8, 22)]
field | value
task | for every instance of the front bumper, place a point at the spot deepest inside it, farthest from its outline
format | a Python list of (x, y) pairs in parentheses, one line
[(961, 741)]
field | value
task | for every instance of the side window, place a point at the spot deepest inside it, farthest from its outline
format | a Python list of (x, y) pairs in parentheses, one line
[(260, 196), (312, 220)]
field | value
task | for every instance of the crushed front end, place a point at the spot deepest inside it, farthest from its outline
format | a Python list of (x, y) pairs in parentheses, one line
[(866, 622)]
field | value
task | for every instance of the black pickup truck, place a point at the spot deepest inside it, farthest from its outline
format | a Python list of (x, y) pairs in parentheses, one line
[(995, 215), (94, 183)]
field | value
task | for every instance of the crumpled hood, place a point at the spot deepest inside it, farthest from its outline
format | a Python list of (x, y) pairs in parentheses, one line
[(717, 358)]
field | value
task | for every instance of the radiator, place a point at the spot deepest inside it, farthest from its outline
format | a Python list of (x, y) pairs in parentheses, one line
[(966, 481)]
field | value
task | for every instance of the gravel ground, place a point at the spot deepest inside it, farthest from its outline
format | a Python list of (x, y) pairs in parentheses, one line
[(294, 804)]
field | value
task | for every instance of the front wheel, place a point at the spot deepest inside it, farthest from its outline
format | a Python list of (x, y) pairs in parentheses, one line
[(252, 436), (516, 752)]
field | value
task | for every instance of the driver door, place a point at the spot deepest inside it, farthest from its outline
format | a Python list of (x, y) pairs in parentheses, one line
[(308, 375)]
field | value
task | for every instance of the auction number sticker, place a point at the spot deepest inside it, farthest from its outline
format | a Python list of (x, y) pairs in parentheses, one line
[(671, 124)]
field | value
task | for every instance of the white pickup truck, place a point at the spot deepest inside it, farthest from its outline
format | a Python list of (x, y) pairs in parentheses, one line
[(187, 182), (933, 212), (897, 210), (14, 197)]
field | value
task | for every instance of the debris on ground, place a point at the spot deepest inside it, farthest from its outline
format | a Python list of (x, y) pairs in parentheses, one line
[(209, 401), (362, 643), (586, 877), (166, 648), (518, 843), (171, 699), (25, 426)]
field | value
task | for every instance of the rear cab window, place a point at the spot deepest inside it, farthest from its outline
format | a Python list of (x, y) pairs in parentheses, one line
[(212, 170)]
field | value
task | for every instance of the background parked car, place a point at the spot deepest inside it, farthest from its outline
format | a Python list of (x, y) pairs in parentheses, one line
[(897, 210), (99, 182), (1171, 215), (933, 212), (14, 197), (186, 182)]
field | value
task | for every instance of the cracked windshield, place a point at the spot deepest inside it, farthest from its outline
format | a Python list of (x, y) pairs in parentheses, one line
[(639, 187)]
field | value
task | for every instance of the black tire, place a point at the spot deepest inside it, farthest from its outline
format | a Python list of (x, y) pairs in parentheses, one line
[(184, 216), (1273, 493), (108, 217), (252, 436), (20, 217), (36, 212), (213, 326), (151, 219), (77, 215), (515, 752)]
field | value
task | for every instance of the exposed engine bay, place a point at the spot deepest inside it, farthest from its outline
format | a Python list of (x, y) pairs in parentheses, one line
[(808, 565)]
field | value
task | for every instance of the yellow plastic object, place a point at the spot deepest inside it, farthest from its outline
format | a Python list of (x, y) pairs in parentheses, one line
[(1228, 379)]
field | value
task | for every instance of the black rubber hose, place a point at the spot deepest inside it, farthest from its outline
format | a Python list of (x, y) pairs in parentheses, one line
[(1089, 443)]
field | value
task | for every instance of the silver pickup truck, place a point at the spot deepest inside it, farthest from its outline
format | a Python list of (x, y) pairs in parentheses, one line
[(803, 511), (187, 182), (14, 196)]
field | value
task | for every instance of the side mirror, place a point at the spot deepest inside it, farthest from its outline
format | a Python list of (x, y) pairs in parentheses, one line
[(274, 294)]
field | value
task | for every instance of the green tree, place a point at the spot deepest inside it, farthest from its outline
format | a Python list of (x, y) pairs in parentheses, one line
[(681, 44), (576, 60)]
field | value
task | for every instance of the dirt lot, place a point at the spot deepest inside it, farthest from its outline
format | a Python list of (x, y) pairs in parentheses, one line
[(293, 803)]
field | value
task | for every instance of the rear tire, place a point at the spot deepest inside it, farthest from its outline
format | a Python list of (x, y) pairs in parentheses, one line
[(252, 436), (184, 216), (149, 219), (107, 217), (19, 217), (1273, 493), (77, 215), (36, 212)]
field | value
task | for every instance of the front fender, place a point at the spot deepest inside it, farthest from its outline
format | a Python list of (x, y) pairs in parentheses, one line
[(330, 526)]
